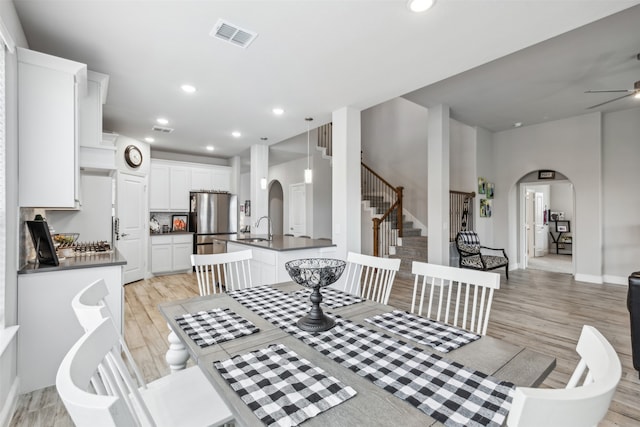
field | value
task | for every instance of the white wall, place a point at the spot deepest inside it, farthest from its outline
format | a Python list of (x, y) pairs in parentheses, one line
[(93, 220), (9, 283), (394, 133), (621, 196), (321, 187), (519, 151), (561, 199)]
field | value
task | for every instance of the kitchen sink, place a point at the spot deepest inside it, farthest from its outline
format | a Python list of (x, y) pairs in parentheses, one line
[(253, 239)]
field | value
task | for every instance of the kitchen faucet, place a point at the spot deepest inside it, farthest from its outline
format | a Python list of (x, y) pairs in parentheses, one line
[(270, 227)]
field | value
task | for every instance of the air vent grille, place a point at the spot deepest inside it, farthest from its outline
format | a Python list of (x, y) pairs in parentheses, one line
[(233, 34), (162, 129)]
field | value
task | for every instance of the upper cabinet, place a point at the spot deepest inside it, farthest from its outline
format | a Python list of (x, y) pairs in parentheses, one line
[(97, 154), (170, 183), (49, 90)]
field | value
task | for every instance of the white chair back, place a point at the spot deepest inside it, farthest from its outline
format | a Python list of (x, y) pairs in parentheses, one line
[(370, 277), (576, 405), (218, 273), (118, 403), (90, 308), (458, 297)]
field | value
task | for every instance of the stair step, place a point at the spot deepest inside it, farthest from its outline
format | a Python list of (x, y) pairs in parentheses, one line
[(411, 232)]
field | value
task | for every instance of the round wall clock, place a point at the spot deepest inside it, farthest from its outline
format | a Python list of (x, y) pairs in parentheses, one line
[(133, 156)]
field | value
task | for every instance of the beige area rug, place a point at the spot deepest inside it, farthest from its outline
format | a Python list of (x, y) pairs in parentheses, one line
[(552, 262)]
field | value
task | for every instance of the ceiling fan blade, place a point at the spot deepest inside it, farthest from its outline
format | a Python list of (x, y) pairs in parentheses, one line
[(611, 100), (605, 91)]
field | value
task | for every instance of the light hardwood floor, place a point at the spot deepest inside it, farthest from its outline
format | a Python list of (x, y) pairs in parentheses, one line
[(541, 310)]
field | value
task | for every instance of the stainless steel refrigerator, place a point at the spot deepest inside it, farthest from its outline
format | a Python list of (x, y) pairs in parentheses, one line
[(212, 213)]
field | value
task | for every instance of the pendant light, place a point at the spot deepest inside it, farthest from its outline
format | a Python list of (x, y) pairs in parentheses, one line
[(308, 174)]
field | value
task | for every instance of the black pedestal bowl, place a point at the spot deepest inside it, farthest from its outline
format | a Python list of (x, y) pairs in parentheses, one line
[(315, 273)]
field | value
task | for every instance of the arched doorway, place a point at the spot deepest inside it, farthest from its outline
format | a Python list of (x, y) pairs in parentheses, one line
[(276, 207), (547, 211)]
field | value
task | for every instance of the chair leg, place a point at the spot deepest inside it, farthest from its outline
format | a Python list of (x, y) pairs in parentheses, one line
[(506, 269)]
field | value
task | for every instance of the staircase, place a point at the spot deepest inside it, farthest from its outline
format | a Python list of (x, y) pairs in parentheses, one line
[(414, 248)]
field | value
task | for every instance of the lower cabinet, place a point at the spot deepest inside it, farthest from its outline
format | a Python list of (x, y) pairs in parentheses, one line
[(267, 265), (48, 326), (171, 253)]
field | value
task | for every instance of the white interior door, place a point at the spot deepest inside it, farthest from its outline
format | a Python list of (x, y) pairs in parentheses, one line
[(131, 233), (297, 209), (529, 226), (540, 238)]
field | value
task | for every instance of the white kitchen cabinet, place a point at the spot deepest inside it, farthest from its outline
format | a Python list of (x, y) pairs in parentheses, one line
[(49, 90), (179, 187), (159, 187), (48, 326), (171, 253), (95, 155), (201, 179)]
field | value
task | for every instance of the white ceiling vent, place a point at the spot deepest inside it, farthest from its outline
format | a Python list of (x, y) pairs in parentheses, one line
[(162, 129), (233, 34)]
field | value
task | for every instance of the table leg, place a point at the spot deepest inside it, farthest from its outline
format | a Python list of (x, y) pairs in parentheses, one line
[(177, 355)]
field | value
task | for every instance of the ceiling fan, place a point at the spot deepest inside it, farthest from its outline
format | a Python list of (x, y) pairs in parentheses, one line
[(628, 92)]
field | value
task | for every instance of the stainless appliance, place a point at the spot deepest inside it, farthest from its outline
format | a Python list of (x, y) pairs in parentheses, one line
[(212, 213)]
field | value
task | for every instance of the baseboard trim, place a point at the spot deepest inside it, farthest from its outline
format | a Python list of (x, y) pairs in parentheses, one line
[(616, 280), (589, 278), (9, 408)]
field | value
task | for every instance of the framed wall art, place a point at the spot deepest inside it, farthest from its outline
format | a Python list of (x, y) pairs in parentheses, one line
[(482, 185), (179, 222), (490, 188), (546, 174), (485, 208)]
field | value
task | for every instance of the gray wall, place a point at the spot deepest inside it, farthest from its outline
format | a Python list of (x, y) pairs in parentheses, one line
[(621, 198)]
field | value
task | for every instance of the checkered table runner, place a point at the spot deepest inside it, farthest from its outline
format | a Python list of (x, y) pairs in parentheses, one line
[(215, 326), (425, 331), (443, 389), (281, 388), (332, 298)]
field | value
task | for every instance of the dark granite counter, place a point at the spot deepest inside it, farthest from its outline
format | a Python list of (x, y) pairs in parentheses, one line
[(83, 261), (278, 243)]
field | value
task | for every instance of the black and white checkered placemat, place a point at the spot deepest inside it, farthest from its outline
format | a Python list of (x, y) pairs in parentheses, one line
[(425, 331), (281, 388), (215, 326), (443, 389), (277, 307), (332, 298)]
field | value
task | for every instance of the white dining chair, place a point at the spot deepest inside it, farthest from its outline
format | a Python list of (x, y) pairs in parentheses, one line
[(370, 277), (217, 273), (455, 296), (598, 371), (90, 307), (183, 399)]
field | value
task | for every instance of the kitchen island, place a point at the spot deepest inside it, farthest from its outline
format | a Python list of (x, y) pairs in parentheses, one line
[(48, 326), (269, 256)]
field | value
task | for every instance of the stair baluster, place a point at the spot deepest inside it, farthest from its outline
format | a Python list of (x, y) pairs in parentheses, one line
[(382, 194)]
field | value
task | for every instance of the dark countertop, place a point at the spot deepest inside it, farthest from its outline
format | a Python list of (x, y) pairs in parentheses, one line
[(279, 242), (170, 233), (84, 261)]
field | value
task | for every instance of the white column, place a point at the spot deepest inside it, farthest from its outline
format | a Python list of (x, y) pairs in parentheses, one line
[(259, 196), (235, 164), (438, 184), (346, 227)]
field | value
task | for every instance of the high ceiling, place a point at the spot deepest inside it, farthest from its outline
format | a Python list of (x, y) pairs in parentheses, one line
[(312, 57)]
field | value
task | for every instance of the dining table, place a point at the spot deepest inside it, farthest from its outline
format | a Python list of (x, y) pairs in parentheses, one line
[(367, 398)]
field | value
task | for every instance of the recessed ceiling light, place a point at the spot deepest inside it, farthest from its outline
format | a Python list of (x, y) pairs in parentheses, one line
[(188, 88), (210, 147), (637, 95), (236, 134), (162, 121), (278, 111), (263, 138), (517, 124), (420, 5), (149, 139)]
